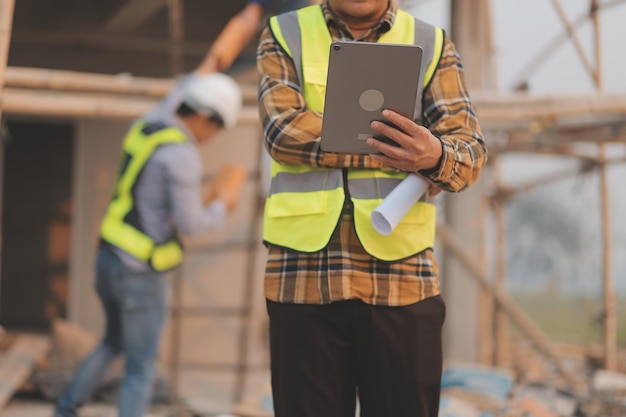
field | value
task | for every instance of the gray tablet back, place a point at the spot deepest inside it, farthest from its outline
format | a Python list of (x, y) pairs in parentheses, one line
[(365, 78)]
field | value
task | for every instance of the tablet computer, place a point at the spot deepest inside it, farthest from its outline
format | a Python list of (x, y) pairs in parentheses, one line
[(364, 78)]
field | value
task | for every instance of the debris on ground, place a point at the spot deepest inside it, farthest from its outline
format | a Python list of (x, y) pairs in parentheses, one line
[(530, 387)]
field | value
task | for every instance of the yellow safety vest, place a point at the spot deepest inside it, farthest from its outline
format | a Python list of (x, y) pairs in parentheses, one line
[(305, 203), (119, 227)]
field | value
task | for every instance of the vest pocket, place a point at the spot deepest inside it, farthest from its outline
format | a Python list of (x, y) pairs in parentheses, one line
[(315, 85), (420, 213), (297, 204)]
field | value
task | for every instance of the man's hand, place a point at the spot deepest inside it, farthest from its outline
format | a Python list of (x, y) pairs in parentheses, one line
[(418, 148), (228, 184)]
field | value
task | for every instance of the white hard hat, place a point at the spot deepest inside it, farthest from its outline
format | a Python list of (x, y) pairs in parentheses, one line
[(214, 94)]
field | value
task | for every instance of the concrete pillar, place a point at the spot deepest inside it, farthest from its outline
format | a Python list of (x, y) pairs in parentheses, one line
[(470, 31)]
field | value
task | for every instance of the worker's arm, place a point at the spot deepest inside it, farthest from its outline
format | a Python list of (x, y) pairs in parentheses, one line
[(236, 35), (449, 149), (227, 186), (292, 132), (184, 191)]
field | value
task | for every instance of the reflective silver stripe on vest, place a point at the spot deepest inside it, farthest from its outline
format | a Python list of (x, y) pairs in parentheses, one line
[(290, 27), (287, 182), (424, 37), (372, 188)]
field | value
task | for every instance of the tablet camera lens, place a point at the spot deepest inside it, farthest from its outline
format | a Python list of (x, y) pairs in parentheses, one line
[(337, 47)]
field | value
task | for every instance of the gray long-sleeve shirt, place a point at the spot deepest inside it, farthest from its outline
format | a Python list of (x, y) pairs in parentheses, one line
[(169, 189)]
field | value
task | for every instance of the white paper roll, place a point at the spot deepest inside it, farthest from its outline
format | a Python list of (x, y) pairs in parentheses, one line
[(398, 203)]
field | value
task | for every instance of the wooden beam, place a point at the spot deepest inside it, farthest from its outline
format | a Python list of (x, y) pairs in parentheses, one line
[(508, 305), (547, 51), (502, 342), (132, 15), (496, 111), (501, 110), (569, 28), (38, 78), (52, 103), (18, 362), (73, 104), (6, 23), (60, 80), (176, 34), (610, 320), (558, 136), (108, 41)]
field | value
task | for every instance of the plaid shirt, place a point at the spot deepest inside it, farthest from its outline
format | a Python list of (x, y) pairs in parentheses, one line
[(343, 270)]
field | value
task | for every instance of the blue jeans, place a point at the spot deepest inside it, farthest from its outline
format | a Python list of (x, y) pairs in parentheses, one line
[(135, 307)]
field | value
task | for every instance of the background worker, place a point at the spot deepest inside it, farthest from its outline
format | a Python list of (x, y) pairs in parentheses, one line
[(157, 195), (352, 311)]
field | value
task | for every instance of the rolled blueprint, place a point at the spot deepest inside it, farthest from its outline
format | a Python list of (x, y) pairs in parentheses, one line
[(398, 203)]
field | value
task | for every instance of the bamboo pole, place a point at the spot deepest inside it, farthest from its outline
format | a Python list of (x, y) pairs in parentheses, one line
[(248, 287), (501, 330), (6, 21), (175, 17), (58, 80), (501, 111), (175, 337), (487, 309), (513, 108), (530, 329), (61, 80), (99, 40), (486, 305), (71, 104), (572, 34), (610, 322), (595, 19), (176, 31), (548, 49)]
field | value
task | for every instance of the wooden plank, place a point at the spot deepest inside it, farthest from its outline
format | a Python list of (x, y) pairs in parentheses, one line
[(18, 362), (100, 40), (73, 104), (496, 111), (517, 315), (24, 77), (6, 25), (132, 14), (59, 80), (610, 319)]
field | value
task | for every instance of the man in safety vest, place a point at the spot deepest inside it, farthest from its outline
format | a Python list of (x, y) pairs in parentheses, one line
[(157, 195), (353, 312)]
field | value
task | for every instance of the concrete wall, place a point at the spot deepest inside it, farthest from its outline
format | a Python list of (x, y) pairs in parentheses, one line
[(96, 158)]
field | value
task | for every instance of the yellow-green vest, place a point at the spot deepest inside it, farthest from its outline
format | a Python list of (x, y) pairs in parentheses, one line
[(119, 227), (305, 203)]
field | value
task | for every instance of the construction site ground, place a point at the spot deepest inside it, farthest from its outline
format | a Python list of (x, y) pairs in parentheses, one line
[(530, 387)]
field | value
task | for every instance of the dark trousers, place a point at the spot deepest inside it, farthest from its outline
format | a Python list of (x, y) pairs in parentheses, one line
[(323, 356)]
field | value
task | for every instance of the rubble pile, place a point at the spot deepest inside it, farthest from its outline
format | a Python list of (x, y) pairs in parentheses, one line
[(532, 387)]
